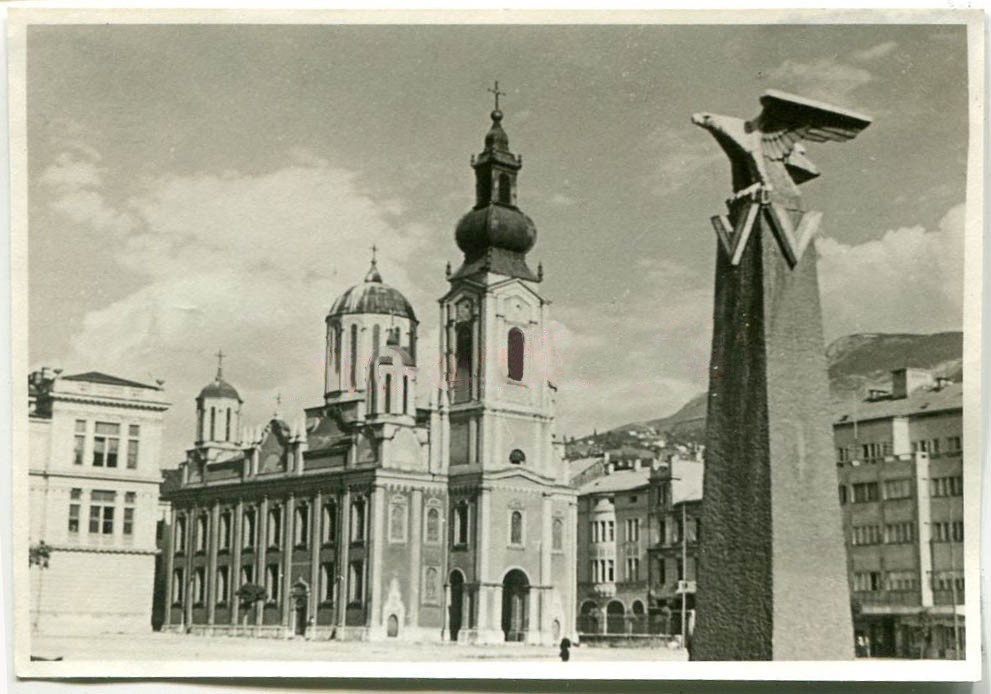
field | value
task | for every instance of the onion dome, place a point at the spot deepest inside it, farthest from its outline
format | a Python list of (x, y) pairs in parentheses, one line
[(373, 296), (219, 388), (496, 235)]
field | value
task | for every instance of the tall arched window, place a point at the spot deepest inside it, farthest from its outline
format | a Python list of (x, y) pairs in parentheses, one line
[(516, 528), (505, 189), (354, 357), (376, 338), (433, 526), (514, 350), (557, 534), (463, 351), (213, 423), (227, 428), (337, 348), (405, 394), (329, 522), (388, 393)]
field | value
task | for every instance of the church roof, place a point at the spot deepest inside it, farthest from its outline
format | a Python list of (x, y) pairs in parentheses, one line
[(373, 296)]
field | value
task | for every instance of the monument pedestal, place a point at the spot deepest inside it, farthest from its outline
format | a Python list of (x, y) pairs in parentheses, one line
[(772, 578)]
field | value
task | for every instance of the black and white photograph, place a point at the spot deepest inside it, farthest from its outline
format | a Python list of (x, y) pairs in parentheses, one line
[(587, 345)]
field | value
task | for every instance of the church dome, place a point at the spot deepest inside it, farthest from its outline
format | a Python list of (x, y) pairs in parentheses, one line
[(373, 296), (495, 226), (219, 388)]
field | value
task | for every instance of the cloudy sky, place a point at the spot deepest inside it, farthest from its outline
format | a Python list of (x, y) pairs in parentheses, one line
[(204, 187)]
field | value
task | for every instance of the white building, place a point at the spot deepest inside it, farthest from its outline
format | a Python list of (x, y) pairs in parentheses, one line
[(95, 444)]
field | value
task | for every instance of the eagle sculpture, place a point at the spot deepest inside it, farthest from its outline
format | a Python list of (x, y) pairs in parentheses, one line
[(766, 153)]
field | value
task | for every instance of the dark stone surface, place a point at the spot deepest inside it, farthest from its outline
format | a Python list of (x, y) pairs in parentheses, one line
[(772, 581)]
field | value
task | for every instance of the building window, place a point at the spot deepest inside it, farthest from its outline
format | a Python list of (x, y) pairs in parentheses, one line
[(247, 574), (274, 528), (505, 189), (461, 525), (898, 533), (133, 445), (842, 489), (301, 528), (75, 496), (128, 525), (356, 584), (947, 531), (224, 532), (515, 346), (358, 521), (661, 577), (633, 530), (101, 512), (610, 570), (898, 489), (201, 530), (842, 454), (387, 393), (953, 444), (329, 523), (397, 520), (353, 375), (430, 581), (901, 580), (432, 531), (405, 394), (516, 528), (610, 531), (327, 580), (463, 369), (948, 581), (180, 534), (947, 486), (227, 426), (632, 568), (213, 423), (866, 535), (177, 586), (865, 492), (223, 585), (517, 457), (199, 585), (272, 582), (557, 535), (79, 442), (106, 444), (248, 529), (867, 581)]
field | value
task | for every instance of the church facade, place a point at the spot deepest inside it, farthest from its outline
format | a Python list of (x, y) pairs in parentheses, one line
[(370, 517)]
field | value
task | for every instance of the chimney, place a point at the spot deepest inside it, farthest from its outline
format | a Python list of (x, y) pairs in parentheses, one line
[(906, 381)]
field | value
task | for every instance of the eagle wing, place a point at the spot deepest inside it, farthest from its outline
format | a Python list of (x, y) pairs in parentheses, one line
[(786, 119)]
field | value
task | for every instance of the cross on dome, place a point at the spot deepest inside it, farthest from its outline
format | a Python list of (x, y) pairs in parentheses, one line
[(220, 364)]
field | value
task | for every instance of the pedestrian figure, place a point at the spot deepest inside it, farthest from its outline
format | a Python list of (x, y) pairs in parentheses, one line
[(565, 649)]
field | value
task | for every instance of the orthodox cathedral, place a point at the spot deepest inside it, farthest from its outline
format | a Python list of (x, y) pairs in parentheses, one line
[(370, 517)]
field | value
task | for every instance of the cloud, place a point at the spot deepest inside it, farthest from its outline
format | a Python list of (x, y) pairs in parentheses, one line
[(826, 79), (908, 280), (874, 52), (682, 156), (246, 262), (562, 200)]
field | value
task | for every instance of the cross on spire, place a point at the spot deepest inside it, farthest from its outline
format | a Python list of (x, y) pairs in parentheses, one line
[(220, 364), (374, 250), (278, 403), (495, 91)]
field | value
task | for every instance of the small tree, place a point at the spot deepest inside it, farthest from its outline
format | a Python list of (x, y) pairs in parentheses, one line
[(249, 594)]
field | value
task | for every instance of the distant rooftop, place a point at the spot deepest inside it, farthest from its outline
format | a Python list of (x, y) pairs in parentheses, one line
[(107, 379), (921, 401), (618, 481)]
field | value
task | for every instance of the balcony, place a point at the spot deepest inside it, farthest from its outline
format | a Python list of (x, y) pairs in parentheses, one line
[(604, 589)]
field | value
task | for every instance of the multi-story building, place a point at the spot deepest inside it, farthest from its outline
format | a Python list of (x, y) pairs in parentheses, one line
[(95, 442), (372, 517), (902, 494), (675, 534), (629, 530)]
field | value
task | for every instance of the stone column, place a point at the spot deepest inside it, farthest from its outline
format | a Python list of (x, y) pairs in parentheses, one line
[(169, 570), (211, 565), (316, 542), (343, 543), (235, 570), (772, 581), (288, 520), (482, 520), (415, 534), (445, 630), (376, 510), (260, 552)]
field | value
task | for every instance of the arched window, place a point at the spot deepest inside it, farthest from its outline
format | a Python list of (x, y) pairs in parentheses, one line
[(397, 521), (301, 528), (405, 394), (224, 532), (430, 585), (213, 423), (463, 351), (516, 528), (199, 425), (329, 523), (353, 376), (201, 529), (337, 348), (557, 534), (274, 528), (388, 393), (375, 339), (358, 520), (514, 351), (433, 526), (505, 189), (461, 524), (248, 529), (227, 429)]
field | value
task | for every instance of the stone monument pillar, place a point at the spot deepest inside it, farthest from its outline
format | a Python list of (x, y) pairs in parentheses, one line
[(772, 578)]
